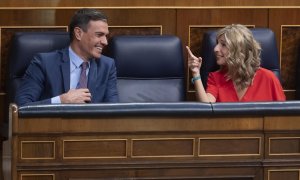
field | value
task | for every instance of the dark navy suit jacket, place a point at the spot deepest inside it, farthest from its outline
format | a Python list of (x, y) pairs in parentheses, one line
[(48, 75)]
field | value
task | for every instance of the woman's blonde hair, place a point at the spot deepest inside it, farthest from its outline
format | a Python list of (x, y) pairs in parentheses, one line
[(244, 54)]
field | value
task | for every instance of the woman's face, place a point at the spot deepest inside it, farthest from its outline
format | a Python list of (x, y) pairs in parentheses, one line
[(221, 51)]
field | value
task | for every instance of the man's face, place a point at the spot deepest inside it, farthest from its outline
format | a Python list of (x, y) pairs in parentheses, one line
[(93, 41)]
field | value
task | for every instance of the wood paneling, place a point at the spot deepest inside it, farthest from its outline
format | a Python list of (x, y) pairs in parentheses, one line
[(230, 146), (290, 43), (94, 148), (285, 23), (136, 124), (170, 173), (276, 123), (145, 3), (37, 149), (183, 147), (218, 18), (37, 176), (280, 174), (35, 17), (161, 147), (284, 146)]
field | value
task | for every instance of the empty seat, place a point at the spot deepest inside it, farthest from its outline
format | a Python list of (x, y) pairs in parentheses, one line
[(149, 68)]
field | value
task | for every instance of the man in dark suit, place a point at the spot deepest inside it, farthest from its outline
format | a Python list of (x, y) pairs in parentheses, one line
[(57, 77)]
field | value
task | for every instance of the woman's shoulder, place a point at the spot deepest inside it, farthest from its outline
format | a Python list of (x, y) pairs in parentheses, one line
[(265, 73)]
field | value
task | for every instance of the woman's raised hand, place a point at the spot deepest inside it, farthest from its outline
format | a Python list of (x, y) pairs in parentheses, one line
[(194, 63)]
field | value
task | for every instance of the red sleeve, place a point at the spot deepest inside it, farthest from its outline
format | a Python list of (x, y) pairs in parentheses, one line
[(277, 91), (212, 85)]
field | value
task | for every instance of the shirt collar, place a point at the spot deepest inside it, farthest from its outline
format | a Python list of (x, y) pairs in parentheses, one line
[(75, 59)]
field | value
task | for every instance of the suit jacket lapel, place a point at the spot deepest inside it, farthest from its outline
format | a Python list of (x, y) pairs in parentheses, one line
[(92, 79), (65, 69)]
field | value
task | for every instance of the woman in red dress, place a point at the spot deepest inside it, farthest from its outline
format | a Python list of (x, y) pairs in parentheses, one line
[(240, 77)]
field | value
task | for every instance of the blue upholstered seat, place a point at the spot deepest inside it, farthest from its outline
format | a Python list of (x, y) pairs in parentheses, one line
[(149, 68), (269, 55)]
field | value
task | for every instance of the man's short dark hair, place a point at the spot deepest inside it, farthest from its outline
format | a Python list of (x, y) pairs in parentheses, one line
[(82, 17)]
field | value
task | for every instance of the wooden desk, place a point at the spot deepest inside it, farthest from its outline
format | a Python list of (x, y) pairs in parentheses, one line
[(171, 141)]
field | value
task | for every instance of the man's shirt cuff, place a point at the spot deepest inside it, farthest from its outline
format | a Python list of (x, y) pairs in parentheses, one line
[(55, 100)]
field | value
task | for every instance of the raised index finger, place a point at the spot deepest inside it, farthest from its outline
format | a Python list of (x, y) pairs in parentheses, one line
[(189, 52)]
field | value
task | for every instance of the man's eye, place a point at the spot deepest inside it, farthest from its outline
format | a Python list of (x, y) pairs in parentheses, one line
[(99, 34)]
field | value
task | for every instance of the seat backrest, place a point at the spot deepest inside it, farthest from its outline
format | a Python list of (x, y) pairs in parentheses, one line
[(269, 54), (23, 47), (149, 68)]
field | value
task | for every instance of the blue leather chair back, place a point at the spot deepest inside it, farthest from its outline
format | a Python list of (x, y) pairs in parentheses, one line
[(269, 54), (24, 46), (149, 68)]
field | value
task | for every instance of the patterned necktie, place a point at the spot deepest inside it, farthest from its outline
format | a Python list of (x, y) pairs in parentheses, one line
[(82, 83)]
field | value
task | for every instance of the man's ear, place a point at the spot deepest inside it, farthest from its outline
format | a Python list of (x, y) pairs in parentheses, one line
[(78, 33)]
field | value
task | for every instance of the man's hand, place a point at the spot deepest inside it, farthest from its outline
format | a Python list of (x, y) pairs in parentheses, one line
[(76, 96)]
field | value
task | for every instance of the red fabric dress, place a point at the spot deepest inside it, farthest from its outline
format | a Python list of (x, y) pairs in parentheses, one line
[(265, 87)]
